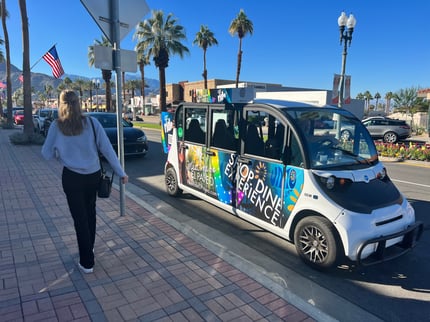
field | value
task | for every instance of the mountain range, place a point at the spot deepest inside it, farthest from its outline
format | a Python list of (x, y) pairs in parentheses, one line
[(39, 80)]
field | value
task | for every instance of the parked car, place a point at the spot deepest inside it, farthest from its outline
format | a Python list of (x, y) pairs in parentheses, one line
[(387, 129), (39, 118), (48, 119), (379, 127), (135, 140), (14, 109), (18, 117)]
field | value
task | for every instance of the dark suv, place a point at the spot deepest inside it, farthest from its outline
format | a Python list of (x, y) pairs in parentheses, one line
[(389, 130), (49, 118)]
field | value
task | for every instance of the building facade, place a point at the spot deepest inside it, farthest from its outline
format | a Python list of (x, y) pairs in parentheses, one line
[(187, 91)]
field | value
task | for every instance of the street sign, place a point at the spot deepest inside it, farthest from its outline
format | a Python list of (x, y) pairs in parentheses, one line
[(130, 12), (103, 59)]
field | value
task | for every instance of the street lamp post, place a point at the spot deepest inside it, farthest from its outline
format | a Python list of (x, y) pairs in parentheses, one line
[(96, 85), (345, 38)]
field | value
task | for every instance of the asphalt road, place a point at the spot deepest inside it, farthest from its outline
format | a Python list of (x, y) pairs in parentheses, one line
[(398, 290)]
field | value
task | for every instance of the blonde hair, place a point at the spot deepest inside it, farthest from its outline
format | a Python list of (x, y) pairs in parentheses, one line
[(70, 114)]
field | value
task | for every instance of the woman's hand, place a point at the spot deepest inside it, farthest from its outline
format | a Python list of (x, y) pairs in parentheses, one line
[(124, 179)]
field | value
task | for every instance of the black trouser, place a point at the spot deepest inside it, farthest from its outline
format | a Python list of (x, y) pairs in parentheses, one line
[(81, 193)]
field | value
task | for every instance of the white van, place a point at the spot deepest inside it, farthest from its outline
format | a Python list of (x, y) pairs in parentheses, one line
[(290, 168)]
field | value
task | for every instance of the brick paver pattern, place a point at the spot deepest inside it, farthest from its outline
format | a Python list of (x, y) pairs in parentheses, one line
[(145, 269)]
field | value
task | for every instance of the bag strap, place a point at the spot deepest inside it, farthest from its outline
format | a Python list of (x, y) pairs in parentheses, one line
[(95, 141)]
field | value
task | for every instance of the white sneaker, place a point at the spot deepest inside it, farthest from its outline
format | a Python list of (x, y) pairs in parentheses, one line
[(85, 270)]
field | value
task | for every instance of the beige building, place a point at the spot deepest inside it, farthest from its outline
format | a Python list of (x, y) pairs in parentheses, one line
[(425, 93), (186, 91)]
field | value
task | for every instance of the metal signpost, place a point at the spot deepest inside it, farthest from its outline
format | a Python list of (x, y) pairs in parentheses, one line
[(116, 22)]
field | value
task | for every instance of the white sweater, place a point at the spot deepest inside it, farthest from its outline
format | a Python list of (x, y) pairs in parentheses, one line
[(79, 153)]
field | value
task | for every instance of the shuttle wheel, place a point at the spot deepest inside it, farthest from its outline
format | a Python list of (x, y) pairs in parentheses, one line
[(316, 242), (171, 181)]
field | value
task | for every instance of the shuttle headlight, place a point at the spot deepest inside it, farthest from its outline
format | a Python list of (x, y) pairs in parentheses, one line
[(331, 182), (382, 175)]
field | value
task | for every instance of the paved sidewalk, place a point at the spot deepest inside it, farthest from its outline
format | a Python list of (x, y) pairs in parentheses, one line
[(145, 270)]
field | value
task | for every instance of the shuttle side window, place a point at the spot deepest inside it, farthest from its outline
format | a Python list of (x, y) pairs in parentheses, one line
[(254, 142), (223, 136), (195, 125), (295, 156), (265, 135)]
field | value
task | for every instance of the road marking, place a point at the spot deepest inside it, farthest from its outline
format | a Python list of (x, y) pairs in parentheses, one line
[(412, 183)]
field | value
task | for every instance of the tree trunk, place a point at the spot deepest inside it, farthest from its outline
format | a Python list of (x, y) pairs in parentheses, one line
[(239, 62), (123, 88), (107, 75), (142, 88), (28, 115), (8, 80), (205, 72), (162, 76)]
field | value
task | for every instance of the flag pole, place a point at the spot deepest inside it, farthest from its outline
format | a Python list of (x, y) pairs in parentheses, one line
[(41, 58)]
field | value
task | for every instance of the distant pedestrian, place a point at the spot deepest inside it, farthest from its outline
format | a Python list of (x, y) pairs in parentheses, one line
[(71, 141)]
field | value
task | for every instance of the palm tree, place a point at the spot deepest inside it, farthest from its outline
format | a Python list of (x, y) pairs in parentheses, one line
[(161, 38), (48, 92), (241, 25), (123, 87), (4, 15), (131, 85), (142, 61), (367, 97), (204, 39), (28, 118), (62, 86), (89, 87), (67, 81), (2, 58), (79, 85), (377, 97), (106, 73), (388, 97), (406, 100)]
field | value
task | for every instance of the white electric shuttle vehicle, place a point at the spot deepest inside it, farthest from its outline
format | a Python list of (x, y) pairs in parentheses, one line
[(287, 168)]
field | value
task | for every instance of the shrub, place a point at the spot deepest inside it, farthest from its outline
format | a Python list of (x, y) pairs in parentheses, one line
[(20, 138), (411, 151), (4, 125)]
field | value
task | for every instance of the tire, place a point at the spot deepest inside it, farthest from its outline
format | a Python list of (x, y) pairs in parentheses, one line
[(317, 243), (171, 182), (390, 137)]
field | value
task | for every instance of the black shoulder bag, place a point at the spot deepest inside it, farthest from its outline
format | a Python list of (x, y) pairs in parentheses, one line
[(105, 184)]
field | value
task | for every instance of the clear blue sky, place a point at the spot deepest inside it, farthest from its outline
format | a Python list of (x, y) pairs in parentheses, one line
[(295, 43)]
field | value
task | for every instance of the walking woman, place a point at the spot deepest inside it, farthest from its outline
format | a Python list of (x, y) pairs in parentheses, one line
[(71, 141)]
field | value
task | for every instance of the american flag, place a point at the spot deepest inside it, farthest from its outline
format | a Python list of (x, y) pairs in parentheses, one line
[(51, 57)]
